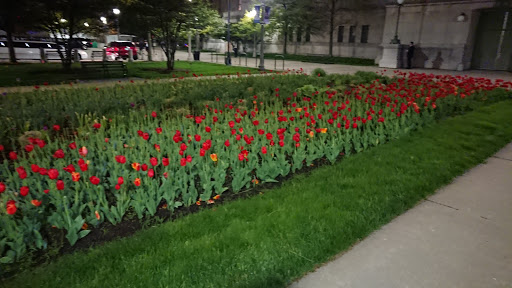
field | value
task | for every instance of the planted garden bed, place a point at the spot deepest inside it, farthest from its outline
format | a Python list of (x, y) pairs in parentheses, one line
[(142, 157)]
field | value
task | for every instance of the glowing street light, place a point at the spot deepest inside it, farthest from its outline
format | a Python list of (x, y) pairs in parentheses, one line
[(63, 20), (116, 11), (86, 24), (103, 20), (252, 14)]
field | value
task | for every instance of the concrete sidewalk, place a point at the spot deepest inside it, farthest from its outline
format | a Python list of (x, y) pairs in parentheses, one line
[(459, 237)]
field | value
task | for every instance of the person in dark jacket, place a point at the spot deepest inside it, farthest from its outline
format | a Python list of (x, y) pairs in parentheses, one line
[(410, 54)]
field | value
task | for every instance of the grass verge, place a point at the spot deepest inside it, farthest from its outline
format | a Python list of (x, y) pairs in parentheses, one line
[(271, 239), (27, 74)]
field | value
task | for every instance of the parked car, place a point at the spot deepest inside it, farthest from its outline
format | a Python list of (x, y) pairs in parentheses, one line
[(30, 50), (121, 48), (80, 43)]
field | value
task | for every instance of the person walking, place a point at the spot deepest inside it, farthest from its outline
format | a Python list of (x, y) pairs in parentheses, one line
[(410, 55)]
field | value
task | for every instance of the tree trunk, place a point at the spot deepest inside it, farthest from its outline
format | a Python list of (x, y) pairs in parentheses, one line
[(10, 44), (170, 59), (331, 26)]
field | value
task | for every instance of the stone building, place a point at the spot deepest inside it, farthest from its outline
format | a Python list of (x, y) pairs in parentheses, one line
[(448, 34)]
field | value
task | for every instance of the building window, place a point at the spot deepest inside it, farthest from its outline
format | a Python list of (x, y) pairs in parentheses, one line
[(308, 34), (340, 33), (352, 34), (299, 34), (364, 33)]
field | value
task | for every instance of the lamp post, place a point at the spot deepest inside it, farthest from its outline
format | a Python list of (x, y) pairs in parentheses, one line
[(228, 58), (262, 38), (395, 40), (117, 12)]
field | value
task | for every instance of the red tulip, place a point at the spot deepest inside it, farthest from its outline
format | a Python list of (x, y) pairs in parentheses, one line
[(72, 146), (197, 137), (183, 147), (202, 152), (264, 150), (137, 182), (145, 136), (118, 187), (151, 173), (24, 191), (75, 176), (227, 143), (22, 173), (11, 207), (153, 114), (56, 127), (29, 148), (2, 187), (165, 161), (53, 173), (94, 180), (96, 125), (153, 161), (36, 203), (208, 129), (189, 158), (13, 155), (120, 180), (144, 167), (183, 161), (136, 166), (120, 159), (2, 148), (70, 168), (60, 185), (158, 130)]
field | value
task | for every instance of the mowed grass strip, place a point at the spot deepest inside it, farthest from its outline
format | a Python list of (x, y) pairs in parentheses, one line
[(274, 238), (26, 74)]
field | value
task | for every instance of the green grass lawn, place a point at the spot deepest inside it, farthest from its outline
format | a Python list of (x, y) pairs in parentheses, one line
[(24, 74), (273, 238)]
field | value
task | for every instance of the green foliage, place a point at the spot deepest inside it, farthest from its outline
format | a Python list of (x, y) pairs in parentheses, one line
[(293, 228), (268, 127), (318, 72)]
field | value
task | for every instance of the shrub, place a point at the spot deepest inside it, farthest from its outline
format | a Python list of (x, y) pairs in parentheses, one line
[(319, 72)]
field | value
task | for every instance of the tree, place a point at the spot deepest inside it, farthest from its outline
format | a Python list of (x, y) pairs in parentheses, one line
[(64, 19), (11, 16), (169, 18), (296, 15), (245, 29)]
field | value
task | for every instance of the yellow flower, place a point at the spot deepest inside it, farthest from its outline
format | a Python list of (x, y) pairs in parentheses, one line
[(213, 157), (323, 130), (311, 134)]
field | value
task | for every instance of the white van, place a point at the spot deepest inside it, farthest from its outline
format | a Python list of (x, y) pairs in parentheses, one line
[(30, 50)]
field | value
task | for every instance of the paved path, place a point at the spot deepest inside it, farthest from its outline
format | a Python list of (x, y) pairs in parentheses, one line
[(459, 237), (307, 68), (343, 69)]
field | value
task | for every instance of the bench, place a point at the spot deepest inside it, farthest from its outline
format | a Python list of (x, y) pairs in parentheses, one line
[(107, 67)]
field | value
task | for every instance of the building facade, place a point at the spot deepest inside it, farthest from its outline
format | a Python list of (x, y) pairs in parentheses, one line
[(448, 34)]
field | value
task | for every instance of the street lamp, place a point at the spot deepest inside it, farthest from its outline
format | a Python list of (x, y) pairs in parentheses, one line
[(395, 40), (103, 20), (228, 58), (117, 12), (86, 24)]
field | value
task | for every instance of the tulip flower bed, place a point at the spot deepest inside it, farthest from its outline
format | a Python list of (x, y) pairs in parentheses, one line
[(145, 160)]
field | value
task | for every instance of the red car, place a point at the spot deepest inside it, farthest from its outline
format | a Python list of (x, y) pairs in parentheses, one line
[(121, 48)]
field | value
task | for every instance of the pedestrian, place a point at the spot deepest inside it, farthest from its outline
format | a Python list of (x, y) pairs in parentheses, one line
[(410, 55)]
